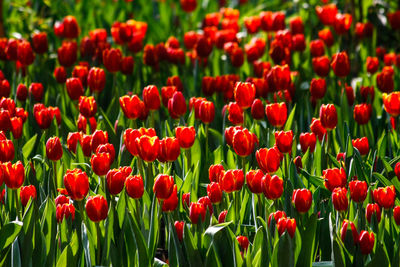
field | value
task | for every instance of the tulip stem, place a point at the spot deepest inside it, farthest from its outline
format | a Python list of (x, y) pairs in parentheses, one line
[(18, 207), (98, 242), (140, 166), (188, 159), (243, 160), (151, 122), (81, 210), (237, 204), (149, 184), (55, 177), (206, 133), (259, 205)]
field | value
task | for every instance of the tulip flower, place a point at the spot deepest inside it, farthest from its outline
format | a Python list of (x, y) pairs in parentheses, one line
[(253, 180), (302, 200), (272, 186), (7, 150), (396, 214), (74, 88), (214, 192), (87, 106), (22, 92), (328, 116), (171, 203), (163, 186), (196, 211), (147, 147), (96, 79), (169, 149), (373, 209), (131, 106), (286, 224), (112, 59), (206, 112), (77, 184), (372, 64), (179, 225), (321, 65), (367, 242), (362, 113), (327, 13), (391, 103), (100, 163), (232, 180), (97, 208), (385, 196), (339, 199), (177, 105), (70, 27), (397, 170), (276, 216), (222, 216), (235, 113), (317, 48), (13, 174), (39, 42), (54, 149), (284, 141), (342, 23), (358, 190), (243, 242), (215, 173), (243, 142), (334, 178), (134, 186), (116, 179), (257, 109), (36, 90), (269, 159), (279, 78), (26, 193), (67, 53), (186, 136), (345, 228), (326, 36), (244, 94), (207, 203), (318, 88), (362, 145), (307, 141), (276, 114), (65, 211), (151, 97), (296, 25), (25, 53)]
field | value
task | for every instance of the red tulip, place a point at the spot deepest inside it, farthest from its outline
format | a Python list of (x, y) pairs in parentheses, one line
[(299, 42), (318, 88), (373, 209), (7, 150), (391, 103), (243, 142), (396, 214), (106, 148), (134, 186), (36, 90), (85, 142), (296, 25), (186, 199), (54, 149), (342, 23), (272, 186), (307, 141), (276, 216), (67, 53), (116, 179), (232, 180), (326, 36), (127, 65), (96, 79), (286, 224), (362, 113), (70, 27), (188, 5), (385, 79), (339, 199), (372, 64), (147, 147), (215, 173), (100, 163), (177, 105), (179, 225), (186, 136), (72, 141), (317, 48), (334, 178), (358, 190), (284, 141), (5, 120), (131, 106), (362, 145), (97, 208), (243, 242), (269, 159), (222, 216), (13, 174), (112, 59), (253, 179), (87, 106), (4, 88), (98, 138), (328, 116), (175, 81), (279, 78), (327, 13), (26, 193), (39, 42), (77, 184), (169, 149), (385, 196), (345, 228), (302, 200), (151, 97), (367, 242), (214, 192), (276, 114), (196, 211), (22, 92), (81, 72), (60, 74), (203, 46), (65, 211), (206, 112), (235, 113), (166, 93), (244, 94), (25, 53), (163, 186), (171, 203), (257, 109), (207, 204), (317, 128), (321, 65)]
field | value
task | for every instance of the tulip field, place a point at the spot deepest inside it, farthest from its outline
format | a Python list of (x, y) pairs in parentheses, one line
[(199, 133)]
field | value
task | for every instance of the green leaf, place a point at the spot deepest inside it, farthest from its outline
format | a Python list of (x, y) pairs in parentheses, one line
[(140, 243), (289, 120), (285, 250), (87, 246), (9, 233), (28, 147), (380, 257)]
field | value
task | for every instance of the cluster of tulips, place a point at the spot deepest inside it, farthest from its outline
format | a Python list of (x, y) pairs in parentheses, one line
[(229, 142)]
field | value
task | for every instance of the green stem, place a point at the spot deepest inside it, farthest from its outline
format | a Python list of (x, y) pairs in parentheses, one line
[(151, 122), (149, 180), (188, 159), (206, 133), (243, 160), (140, 166), (137, 209), (81, 210), (98, 242), (55, 177), (18, 205), (259, 205)]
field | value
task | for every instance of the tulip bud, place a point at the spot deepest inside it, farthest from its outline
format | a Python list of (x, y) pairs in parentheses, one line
[(243, 242), (318, 88), (36, 90), (302, 200), (269, 159), (112, 59), (284, 141), (22, 92), (222, 216), (179, 225), (373, 209), (272, 186), (169, 149), (243, 142), (54, 149), (396, 214), (134, 186), (328, 116), (253, 179), (244, 94), (163, 186), (60, 74), (276, 114), (214, 192), (206, 112), (151, 97), (339, 199), (39, 42), (235, 113), (87, 106), (67, 53), (97, 208), (186, 136), (177, 105), (96, 79), (196, 211), (362, 145), (77, 184), (7, 151), (171, 203)]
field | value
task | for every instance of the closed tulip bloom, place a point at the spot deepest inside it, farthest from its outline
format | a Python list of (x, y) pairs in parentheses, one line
[(87, 106), (106, 148), (296, 25), (171, 203), (98, 138), (372, 64), (279, 78), (257, 109), (276, 216), (186, 199), (7, 150), (163, 186), (230, 132), (65, 211), (342, 23), (39, 42), (4, 88), (206, 112), (385, 196), (179, 226), (116, 179), (317, 128), (112, 59), (269, 159), (100, 163), (177, 105), (134, 186), (235, 113), (391, 103), (96, 79), (36, 90), (186, 136), (284, 141), (16, 127), (276, 114), (13, 174), (396, 214), (60, 74), (5, 120), (77, 184), (25, 53), (166, 93), (175, 81), (127, 65), (318, 88), (326, 36), (207, 204), (334, 178), (147, 147), (215, 173), (339, 199), (22, 92), (253, 180), (397, 170), (307, 141), (367, 242), (26, 193), (151, 97), (131, 106), (222, 216), (232, 180), (327, 13), (302, 200), (54, 149), (97, 208), (244, 94), (345, 228), (362, 113), (317, 48), (299, 42), (286, 224), (196, 211), (362, 145), (328, 116), (72, 141), (214, 192), (373, 208), (272, 186), (169, 149), (188, 5), (321, 66), (70, 27), (243, 142), (385, 79), (358, 190), (81, 72), (67, 53), (85, 142), (340, 64)]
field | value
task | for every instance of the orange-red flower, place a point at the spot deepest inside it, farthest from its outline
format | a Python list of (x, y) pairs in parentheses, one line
[(339, 199), (345, 228), (206, 111), (177, 105), (67, 53), (253, 180), (87, 106), (328, 116), (232, 180), (151, 97), (362, 145), (321, 65), (185, 136), (302, 200), (112, 59), (77, 184), (373, 209), (367, 242), (163, 186), (66, 211), (372, 64), (391, 103), (147, 147), (131, 106), (7, 150), (362, 113), (385, 196), (235, 113), (358, 190), (286, 224), (279, 78), (284, 141), (269, 159), (244, 94), (169, 149), (341, 64), (134, 186), (39, 42), (116, 179), (214, 192), (243, 142), (13, 174), (96, 79), (334, 178), (54, 149), (276, 114), (342, 23), (171, 203), (97, 208), (197, 211), (307, 141), (272, 186), (385, 79), (317, 88)]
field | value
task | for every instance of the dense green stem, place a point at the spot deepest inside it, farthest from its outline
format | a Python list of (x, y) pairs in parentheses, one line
[(18, 205), (98, 231)]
